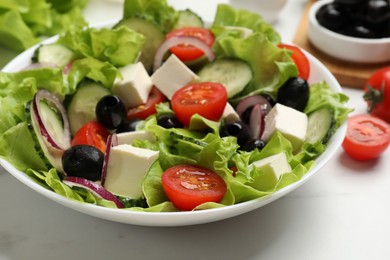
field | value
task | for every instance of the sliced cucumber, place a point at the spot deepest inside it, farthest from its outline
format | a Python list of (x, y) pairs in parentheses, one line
[(188, 18), (49, 155), (56, 54), (233, 74), (321, 125), (81, 108), (154, 37)]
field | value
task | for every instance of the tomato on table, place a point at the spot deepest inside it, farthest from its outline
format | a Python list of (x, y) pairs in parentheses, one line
[(300, 60), (377, 93), (92, 133), (207, 99), (189, 52), (188, 186), (367, 137), (149, 108)]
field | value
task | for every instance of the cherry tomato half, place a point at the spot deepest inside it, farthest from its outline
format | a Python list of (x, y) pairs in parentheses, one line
[(207, 99), (149, 108), (377, 93), (300, 60), (367, 137), (188, 186), (189, 52), (92, 133)]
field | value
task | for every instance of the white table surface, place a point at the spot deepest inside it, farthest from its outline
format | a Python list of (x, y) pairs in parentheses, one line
[(343, 212)]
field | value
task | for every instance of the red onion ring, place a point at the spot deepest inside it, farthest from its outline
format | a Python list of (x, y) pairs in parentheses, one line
[(250, 101), (112, 141), (58, 144), (93, 187), (177, 40)]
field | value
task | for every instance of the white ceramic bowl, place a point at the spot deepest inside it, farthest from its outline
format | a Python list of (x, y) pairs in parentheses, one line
[(318, 73), (345, 47)]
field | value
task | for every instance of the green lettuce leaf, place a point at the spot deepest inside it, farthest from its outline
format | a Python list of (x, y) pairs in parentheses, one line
[(227, 15), (119, 46), (156, 11), (271, 65), (24, 23), (14, 33), (321, 95)]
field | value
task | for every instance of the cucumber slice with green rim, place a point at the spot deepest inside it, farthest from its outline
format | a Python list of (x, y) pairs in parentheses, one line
[(82, 105), (321, 125), (56, 54), (153, 38), (233, 74), (188, 18), (49, 155)]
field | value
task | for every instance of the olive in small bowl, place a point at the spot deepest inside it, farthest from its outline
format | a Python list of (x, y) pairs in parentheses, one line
[(361, 39)]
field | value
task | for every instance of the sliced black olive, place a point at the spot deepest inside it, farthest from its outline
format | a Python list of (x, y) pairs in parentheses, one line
[(332, 16), (83, 161), (237, 129), (169, 121), (294, 93), (128, 125), (110, 111), (252, 145)]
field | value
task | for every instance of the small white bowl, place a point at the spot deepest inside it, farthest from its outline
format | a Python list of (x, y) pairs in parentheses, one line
[(345, 47)]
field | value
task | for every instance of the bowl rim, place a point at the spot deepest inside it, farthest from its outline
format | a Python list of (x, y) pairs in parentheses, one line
[(353, 40)]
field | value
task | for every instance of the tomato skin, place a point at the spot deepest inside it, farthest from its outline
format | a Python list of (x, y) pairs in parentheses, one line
[(145, 110), (367, 137), (377, 94), (92, 133), (188, 186), (189, 52), (300, 60), (207, 99)]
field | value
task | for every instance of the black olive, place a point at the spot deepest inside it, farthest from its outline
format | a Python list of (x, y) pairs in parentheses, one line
[(169, 121), (110, 111), (252, 145), (377, 11), (83, 161), (360, 30), (269, 98), (237, 129), (128, 125), (332, 16), (348, 2), (294, 93)]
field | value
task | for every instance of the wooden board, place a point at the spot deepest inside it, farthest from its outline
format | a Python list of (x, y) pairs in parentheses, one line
[(348, 74)]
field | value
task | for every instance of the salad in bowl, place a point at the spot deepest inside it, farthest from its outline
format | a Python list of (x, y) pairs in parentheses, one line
[(160, 119)]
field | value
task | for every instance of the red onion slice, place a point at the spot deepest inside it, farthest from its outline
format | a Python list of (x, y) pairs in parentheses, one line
[(112, 141), (255, 121), (64, 143), (177, 40), (93, 187), (250, 101)]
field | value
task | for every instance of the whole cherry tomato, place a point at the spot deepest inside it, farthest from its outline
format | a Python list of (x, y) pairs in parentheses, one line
[(377, 93)]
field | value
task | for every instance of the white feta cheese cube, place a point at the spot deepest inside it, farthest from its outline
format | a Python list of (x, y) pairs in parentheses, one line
[(129, 137), (127, 166), (276, 165), (229, 114), (135, 86), (290, 122), (173, 75)]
